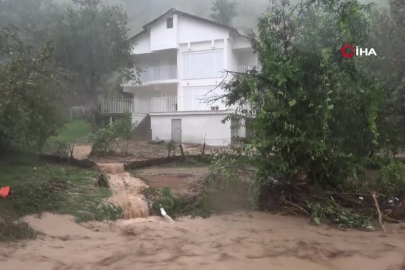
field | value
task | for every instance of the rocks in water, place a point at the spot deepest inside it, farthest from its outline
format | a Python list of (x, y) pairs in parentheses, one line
[(103, 181)]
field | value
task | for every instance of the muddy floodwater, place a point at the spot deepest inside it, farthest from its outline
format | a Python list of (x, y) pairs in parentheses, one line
[(236, 241)]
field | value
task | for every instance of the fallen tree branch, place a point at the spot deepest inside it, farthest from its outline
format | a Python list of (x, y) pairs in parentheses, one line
[(360, 194), (293, 204), (393, 220), (374, 195)]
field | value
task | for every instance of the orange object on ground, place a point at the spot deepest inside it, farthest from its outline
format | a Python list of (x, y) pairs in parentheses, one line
[(4, 191)]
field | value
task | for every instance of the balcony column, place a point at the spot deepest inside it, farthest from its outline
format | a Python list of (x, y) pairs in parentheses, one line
[(180, 106), (136, 104)]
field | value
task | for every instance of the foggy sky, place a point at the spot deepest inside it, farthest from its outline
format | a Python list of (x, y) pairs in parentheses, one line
[(141, 12)]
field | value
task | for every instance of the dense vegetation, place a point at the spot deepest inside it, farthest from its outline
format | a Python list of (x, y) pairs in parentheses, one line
[(321, 119)]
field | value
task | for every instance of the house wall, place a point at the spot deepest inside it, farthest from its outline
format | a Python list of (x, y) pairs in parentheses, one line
[(161, 37), (246, 57), (158, 59), (194, 31), (142, 44), (194, 128), (232, 58), (242, 43)]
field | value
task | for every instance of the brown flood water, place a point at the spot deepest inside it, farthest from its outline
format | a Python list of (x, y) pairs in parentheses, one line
[(227, 242)]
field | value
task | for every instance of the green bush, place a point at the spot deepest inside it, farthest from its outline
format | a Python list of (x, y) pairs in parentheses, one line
[(163, 198), (16, 230), (391, 178), (102, 139)]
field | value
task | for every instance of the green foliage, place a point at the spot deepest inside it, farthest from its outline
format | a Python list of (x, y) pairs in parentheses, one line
[(99, 213), (388, 67), (102, 139), (391, 178), (31, 92), (75, 131), (16, 230), (91, 40), (173, 205), (224, 11), (125, 129), (38, 187), (339, 215), (30, 16), (313, 109)]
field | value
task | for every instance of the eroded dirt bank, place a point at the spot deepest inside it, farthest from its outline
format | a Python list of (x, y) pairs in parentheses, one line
[(237, 241)]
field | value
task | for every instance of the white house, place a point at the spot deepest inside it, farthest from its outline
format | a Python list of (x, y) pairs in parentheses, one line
[(183, 58)]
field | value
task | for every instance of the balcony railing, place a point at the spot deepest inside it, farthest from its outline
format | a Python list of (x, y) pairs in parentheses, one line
[(161, 104), (159, 73), (194, 103), (151, 74), (243, 69), (113, 106)]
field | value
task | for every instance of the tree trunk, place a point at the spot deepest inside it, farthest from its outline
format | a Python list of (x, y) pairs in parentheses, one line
[(126, 149)]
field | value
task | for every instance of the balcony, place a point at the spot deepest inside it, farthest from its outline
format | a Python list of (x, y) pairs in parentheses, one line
[(157, 74), (243, 69), (195, 103), (160, 104), (116, 106)]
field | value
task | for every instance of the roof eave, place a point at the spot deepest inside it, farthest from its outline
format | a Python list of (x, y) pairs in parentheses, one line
[(174, 11)]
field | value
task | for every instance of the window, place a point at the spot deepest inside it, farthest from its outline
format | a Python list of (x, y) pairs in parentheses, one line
[(201, 65), (170, 23)]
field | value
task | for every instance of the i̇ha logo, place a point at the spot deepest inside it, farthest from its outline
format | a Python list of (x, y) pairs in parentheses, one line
[(349, 51)]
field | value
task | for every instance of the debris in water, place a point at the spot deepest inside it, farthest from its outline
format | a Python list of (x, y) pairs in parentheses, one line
[(165, 216), (103, 181)]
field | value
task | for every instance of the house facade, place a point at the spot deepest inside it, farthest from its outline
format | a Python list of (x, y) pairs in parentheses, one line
[(183, 59)]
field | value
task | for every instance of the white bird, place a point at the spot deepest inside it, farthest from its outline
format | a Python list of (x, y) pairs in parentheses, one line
[(165, 216)]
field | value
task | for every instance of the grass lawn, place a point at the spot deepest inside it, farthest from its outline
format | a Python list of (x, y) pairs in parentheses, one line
[(41, 188), (74, 131)]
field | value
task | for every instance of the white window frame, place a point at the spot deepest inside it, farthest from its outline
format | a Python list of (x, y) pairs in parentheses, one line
[(215, 63)]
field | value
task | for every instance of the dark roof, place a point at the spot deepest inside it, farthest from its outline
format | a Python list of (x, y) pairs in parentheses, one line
[(175, 11)]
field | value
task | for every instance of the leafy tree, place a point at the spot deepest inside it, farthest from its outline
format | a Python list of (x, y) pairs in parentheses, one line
[(30, 16), (388, 40), (313, 109), (31, 91), (91, 40), (125, 129), (223, 11), (103, 138)]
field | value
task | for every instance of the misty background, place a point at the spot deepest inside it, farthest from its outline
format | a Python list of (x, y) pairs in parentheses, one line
[(141, 12)]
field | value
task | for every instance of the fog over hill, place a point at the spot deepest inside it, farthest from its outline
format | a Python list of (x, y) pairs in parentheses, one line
[(141, 12)]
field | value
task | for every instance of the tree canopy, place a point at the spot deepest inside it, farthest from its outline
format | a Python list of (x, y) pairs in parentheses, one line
[(223, 11), (91, 40), (31, 93)]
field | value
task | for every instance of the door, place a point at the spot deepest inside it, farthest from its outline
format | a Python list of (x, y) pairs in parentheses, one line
[(235, 127), (176, 130)]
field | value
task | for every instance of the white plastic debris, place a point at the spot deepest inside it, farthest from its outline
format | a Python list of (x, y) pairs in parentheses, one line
[(361, 198), (165, 216), (370, 228)]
